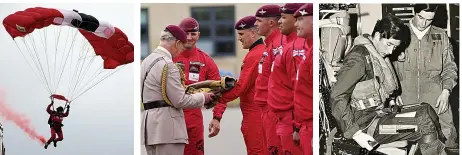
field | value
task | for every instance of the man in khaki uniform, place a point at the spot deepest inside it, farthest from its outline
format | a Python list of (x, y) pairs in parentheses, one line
[(163, 128), (427, 70)]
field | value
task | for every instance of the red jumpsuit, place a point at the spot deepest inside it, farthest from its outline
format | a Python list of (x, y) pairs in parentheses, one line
[(252, 128), (198, 66), (281, 87), (56, 126), (274, 43), (303, 100)]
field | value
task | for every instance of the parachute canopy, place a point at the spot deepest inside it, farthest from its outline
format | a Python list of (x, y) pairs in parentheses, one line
[(53, 54)]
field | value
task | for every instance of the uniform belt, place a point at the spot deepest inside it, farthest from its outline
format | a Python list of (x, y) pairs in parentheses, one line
[(155, 104)]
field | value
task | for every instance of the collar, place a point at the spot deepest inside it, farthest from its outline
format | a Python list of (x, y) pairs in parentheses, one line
[(417, 32), (291, 37), (188, 53), (309, 41), (259, 41), (163, 51), (272, 35)]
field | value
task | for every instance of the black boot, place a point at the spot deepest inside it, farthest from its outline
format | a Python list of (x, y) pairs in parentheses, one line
[(46, 145), (54, 143)]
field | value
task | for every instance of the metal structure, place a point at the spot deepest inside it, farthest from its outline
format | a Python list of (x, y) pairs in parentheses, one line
[(2, 147)]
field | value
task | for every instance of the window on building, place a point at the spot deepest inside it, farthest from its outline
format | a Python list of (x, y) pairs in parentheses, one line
[(217, 36), (144, 33)]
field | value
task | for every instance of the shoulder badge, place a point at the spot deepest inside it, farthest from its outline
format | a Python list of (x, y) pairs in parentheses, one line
[(436, 36), (197, 63)]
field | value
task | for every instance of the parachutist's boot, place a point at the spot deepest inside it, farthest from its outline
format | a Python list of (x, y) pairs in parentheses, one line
[(46, 145), (54, 143)]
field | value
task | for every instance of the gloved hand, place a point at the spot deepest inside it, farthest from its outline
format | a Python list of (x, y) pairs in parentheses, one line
[(68, 106), (209, 97), (364, 140)]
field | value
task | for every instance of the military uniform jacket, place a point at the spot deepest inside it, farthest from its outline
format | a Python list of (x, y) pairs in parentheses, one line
[(166, 124), (426, 67)]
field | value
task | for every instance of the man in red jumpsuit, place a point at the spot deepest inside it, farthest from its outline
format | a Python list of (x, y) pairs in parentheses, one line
[(303, 94), (267, 25), (252, 128), (56, 123), (282, 79), (197, 66)]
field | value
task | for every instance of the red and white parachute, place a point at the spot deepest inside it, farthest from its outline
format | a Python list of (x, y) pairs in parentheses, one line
[(64, 46)]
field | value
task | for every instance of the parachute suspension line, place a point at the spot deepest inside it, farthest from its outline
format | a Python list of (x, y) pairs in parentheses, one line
[(44, 43), (71, 70), (94, 75), (56, 53), (79, 69), (74, 78), (34, 46), (82, 77), (81, 55), (36, 63), (60, 73), (67, 57), (107, 75), (40, 79), (42, 66)]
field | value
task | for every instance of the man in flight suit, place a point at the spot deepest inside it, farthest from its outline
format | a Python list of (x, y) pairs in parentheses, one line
[(427, 70), (303, 91), (282, 79), (267, 25), (197, 66), (252, 128), (163, 128), (367, 85)]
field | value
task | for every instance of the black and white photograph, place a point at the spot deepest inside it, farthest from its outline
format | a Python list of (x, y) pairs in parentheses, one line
[(389, 79)]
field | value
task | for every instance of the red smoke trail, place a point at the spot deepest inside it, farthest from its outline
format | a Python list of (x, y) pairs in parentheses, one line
[(20, 120)]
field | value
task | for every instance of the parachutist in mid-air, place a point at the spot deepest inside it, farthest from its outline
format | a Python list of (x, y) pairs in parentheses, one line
[(56, 123)]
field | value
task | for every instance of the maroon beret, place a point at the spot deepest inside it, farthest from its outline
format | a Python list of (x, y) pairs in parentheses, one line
[(305, 10), (269, 10), (290, 8), (189, 25), (245, 23), (177, 32)]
